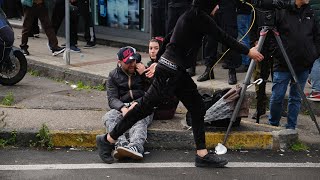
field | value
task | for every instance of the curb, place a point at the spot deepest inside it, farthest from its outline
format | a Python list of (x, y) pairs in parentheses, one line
[(256, 140), (52, 71)]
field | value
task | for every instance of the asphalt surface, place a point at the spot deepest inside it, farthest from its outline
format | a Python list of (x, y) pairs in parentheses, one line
[(157, 164)]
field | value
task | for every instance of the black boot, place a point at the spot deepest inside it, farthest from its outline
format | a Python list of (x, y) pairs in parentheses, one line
[(208, 74), (192, 71), (232, 77)]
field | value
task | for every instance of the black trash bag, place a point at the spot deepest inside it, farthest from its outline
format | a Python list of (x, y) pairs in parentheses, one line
[(210, 100)]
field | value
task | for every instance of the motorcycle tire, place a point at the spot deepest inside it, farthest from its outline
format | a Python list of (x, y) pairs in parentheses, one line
[(9, 77)]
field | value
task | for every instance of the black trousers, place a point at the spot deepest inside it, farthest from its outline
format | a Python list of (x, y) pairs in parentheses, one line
[(168, 82), (227, 20), (35, 28), (158, 22), (41, 12), (263, 70), (58, 15), (85, 12), (173, 15)]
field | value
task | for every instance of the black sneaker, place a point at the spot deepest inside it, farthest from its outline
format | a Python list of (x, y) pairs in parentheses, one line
[(210, 160), (75, 49), (89, 45), (105, 149), (58, 50), (128, 152), (25, 51)]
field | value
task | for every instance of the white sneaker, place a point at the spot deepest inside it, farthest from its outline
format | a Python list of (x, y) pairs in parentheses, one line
[(128, 152)]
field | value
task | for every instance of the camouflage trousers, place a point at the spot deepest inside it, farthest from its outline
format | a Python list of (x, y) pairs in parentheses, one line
[(137, 133)]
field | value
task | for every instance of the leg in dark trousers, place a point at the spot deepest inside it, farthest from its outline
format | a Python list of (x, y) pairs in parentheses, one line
[(35, 30), (173, 15), (227, 20), (47, 27), (29, 14), (158, 18), (171, 82), (85, 11), (210, 48), (59, 14)]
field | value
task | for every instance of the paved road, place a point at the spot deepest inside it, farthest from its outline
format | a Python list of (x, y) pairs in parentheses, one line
[(158, 164)]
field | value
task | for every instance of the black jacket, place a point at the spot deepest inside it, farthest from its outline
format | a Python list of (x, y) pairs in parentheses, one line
[(300, 35), (187, 35), (122, 88)]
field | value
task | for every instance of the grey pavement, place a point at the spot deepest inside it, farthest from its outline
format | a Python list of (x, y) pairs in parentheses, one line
[(92, 67)]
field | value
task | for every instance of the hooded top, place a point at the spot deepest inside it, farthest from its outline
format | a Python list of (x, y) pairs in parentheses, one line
[(205, 5), (186, 38)]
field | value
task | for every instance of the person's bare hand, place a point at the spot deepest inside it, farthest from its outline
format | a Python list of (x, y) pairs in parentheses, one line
[(151, 70), (255, 54), (124, 110), (132, 105), (140, 68), (72, 1)]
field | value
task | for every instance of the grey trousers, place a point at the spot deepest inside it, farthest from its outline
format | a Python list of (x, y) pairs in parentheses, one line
[(137, 133)]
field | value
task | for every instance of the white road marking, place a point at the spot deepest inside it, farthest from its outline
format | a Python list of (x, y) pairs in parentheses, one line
[(152, 165)]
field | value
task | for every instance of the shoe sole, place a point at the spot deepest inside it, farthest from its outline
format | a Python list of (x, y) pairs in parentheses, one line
[(220, 165), (58, 52), (127, 153), (84, 47), (75, 51), (313, 99)]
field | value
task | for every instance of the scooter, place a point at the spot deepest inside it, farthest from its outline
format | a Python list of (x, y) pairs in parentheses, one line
[(13, 64)]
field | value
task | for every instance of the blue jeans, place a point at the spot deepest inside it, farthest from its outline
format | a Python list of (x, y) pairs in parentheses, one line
[(315, 75), (244, 21), (279, 88)]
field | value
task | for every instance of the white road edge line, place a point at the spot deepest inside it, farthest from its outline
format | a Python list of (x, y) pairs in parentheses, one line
[(151, 165)]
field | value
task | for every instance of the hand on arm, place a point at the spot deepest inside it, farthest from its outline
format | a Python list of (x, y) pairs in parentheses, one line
[(124, 110), (140, 68)]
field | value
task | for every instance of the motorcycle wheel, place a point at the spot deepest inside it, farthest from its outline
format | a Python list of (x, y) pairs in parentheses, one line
[(13, 71)]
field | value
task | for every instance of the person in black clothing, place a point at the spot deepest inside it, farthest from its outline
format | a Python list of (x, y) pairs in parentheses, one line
[(175, 9), (85, 11), (158, 18), (170, 77), (226, 18), (210, 50), (57, 17)]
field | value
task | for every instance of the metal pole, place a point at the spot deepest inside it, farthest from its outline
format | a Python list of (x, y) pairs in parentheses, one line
[(246, 82), (66, 55)]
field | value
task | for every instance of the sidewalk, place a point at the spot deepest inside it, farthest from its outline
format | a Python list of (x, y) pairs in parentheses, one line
[(92, 66)]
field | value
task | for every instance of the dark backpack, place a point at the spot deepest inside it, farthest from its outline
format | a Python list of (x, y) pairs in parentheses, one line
[(209, 100)]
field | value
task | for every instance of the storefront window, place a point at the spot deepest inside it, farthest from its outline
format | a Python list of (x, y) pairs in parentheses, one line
[(124, 14)]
